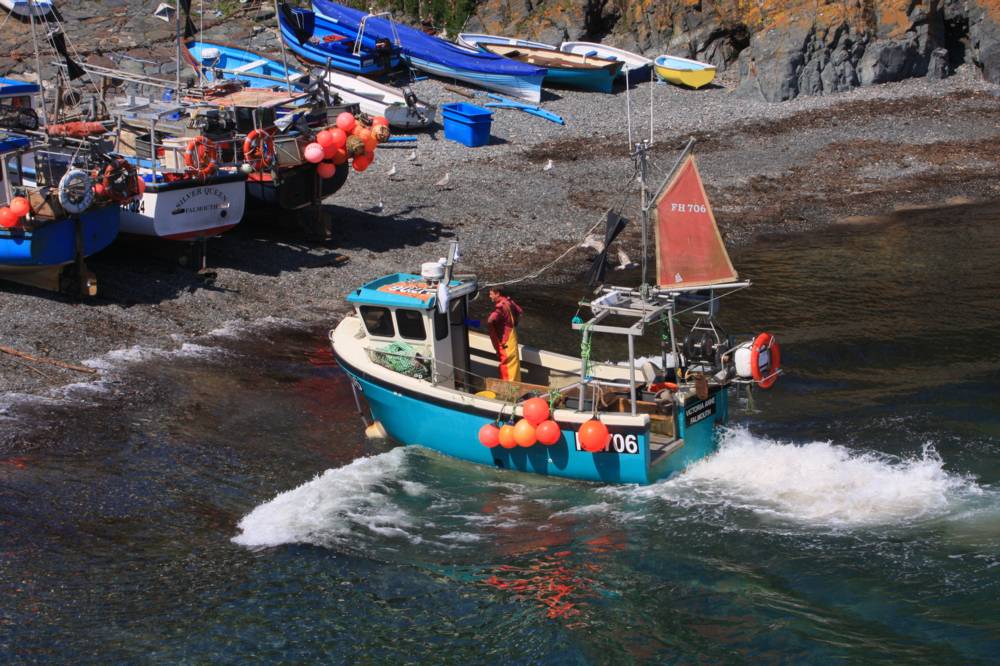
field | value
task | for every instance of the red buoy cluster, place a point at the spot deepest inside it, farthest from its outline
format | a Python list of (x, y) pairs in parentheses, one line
[(350, 139), (535, 427), (12, 214)]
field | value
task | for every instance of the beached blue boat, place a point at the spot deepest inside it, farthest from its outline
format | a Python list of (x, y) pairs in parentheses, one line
[(428, 379), (568, 70), (436, 56), (65, 225), (216, 60), (314, 41)]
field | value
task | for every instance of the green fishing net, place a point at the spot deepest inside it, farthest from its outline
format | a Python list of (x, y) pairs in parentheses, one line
[(402, 358)]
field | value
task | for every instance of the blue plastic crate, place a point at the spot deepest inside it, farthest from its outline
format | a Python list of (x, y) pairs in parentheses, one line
[(467, 123)]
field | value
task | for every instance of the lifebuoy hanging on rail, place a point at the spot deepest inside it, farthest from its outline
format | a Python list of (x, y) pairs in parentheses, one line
[(199, 156), (258, 149), (76, 191), (120, 181), (765, 342)]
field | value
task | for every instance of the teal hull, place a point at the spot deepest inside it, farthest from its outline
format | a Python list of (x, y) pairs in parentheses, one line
[(597, 80), (415, 419)]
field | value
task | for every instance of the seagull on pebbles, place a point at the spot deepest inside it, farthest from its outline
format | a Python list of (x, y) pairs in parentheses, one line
[(593, 241), (624, 263), (413, 155), (443, 183), (548, 166), (392, 171)]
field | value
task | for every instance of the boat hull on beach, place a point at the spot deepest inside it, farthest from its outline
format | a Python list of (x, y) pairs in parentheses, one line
[(437, 56), (564, 69), (54, 244), (684, 72), (634, 66), (187, 210)]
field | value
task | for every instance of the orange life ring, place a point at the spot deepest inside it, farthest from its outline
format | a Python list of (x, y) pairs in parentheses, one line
[(659, 386), (120, 181), (765, 342), (258, 149), (199, 156)]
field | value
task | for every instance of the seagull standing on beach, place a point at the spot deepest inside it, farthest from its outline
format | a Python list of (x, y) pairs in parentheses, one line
[(413, 155), (592, 240), (548, 166), (443, 183), (392, 171), (624, 263)]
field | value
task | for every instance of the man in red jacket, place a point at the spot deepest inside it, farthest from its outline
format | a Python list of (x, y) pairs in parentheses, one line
[(502, 325)]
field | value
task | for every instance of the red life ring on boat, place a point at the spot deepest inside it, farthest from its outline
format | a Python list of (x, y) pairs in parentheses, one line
[(765, 342), (258, 149), (199, 156), (659, 386), (119, 181)]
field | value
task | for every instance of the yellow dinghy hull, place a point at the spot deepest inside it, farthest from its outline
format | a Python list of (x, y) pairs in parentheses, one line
[(684, 72)]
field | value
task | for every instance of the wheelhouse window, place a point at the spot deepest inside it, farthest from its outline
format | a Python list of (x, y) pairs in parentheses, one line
[(378, 321), (411, 324)]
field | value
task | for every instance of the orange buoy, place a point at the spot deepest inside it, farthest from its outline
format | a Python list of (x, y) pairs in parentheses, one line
[(524, 433), (548, 432), (339, 156), (324, 138), (326, 169), (19, 206), (489, 435), (361, 163), (346, 121), (535, 410), (593, 436), (380, 120), (506, 436), (339, 137), (7, 218)]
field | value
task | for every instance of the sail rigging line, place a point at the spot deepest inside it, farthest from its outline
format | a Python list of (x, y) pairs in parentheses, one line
[(572, 247), (76, 54), (701, 304)]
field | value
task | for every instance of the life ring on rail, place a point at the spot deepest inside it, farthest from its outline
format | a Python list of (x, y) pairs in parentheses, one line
[(659, 386), (76, 191), (765, 342), (120, 181), (258, 149), (198, 156)]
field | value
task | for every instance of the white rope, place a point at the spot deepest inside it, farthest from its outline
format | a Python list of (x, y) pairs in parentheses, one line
[(628, 110)]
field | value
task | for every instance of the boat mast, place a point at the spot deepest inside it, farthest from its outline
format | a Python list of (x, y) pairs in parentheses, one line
[(177, 38), (281, 44), (641, 148), (38, 59)]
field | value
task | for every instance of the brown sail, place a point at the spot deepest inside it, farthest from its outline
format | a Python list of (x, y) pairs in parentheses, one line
[(689, 249)]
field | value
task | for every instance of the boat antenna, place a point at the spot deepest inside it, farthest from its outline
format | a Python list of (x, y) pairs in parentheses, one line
[(640, 155), (177, 38), (38, 58)]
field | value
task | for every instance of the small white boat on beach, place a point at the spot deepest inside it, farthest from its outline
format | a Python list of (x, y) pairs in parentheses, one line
[(26, 8), (400, 107), (635, 66), (475, 40)]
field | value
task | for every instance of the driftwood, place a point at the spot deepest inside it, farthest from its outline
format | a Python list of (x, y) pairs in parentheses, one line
[(58, 364), (459, 91)]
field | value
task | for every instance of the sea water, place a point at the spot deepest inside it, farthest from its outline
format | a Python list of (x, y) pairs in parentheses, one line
[(218, 502)]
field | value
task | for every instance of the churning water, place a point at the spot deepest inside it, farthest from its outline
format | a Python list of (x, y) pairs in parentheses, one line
[(218, 502)]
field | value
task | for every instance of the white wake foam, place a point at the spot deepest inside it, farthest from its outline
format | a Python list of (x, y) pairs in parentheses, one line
[(819, 483), (331, 507)]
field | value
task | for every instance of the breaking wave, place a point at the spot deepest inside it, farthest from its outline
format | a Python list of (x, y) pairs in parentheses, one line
[(819, 484)]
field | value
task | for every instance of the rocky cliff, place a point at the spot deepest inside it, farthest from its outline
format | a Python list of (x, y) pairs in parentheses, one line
[(782, 48)]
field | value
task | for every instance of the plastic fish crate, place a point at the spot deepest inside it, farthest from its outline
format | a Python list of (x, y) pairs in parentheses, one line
[(467, 124)]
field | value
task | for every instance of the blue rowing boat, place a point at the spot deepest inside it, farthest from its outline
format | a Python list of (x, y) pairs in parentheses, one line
[(436, 56), (316, 42), (222, 61)]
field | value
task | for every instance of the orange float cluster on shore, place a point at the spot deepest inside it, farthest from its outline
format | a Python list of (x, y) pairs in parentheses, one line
[(350, 139)]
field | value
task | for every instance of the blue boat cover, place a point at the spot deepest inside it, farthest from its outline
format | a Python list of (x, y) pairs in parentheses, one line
[(414, 43), (11, 142)]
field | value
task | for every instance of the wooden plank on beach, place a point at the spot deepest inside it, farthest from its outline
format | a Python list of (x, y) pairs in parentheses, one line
[(50, 361)]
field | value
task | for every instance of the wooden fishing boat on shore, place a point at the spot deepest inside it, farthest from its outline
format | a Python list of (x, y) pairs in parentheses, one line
[(564, 69), (684, 72), (427, 379), (433, 55), (315, 40), (637, 67)]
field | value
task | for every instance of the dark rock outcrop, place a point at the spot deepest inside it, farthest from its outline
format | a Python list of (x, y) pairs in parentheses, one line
[(784, 48)]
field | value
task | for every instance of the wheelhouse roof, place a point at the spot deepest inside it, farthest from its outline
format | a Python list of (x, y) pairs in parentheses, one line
[(399, 290)]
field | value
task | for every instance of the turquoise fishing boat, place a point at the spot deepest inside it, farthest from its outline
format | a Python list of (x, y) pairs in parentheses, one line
[(569, 70), (430, 379)]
